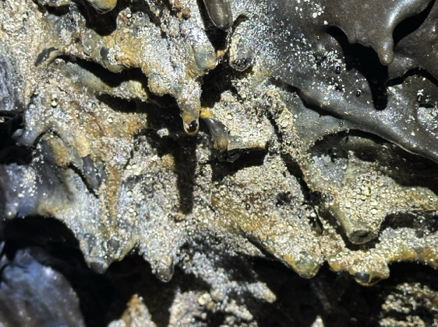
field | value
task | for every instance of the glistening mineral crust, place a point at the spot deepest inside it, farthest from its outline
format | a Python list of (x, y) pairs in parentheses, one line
[(195, 133)]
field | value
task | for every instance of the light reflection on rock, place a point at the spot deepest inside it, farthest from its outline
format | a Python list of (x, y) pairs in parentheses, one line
[(300, 153)]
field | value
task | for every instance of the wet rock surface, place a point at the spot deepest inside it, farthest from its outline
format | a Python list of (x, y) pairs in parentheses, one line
[(194, 163)]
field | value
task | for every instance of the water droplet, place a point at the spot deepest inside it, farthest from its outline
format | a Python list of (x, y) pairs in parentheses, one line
[(54, 102), (192, 127)]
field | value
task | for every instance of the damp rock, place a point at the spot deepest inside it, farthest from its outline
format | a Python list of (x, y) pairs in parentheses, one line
[(35, 290), (136, 314), (8, 85), (98, 165), (208, 136), (412, 301)]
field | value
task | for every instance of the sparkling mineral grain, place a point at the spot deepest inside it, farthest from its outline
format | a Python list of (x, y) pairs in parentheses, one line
[(208, 136)]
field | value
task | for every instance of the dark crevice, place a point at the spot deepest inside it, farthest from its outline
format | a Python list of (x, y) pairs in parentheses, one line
[(183, 150), (10, 152), (90, 174), (118, 104), (412, 170), (102, 24), (84, 179), (336, 298), (412, 72), (246, 159), (102, 298), (366, 61), (217, 81), (105, 24), (96, 294), (19, 155), (411, 24), (410, 274), (116, 79), (44, 7), (132, 276), (216, 36), (271, 114), (185, 157), (56, 11), (109, 78), (311, 197), (423, 223), (163, 118), (239, 20), (215, 319), (256, 243), (45, 55)]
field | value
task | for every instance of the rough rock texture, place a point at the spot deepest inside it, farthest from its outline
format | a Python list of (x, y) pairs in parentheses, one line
[(203, 143), (31, 292)]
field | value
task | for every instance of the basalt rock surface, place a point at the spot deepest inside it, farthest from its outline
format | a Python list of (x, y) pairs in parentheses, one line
[(231, 149)]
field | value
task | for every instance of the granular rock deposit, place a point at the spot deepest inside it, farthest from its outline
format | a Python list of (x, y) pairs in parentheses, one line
[(227, 148)]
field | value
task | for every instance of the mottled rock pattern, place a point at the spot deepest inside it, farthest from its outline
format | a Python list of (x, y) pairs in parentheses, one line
[(305, 110)]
